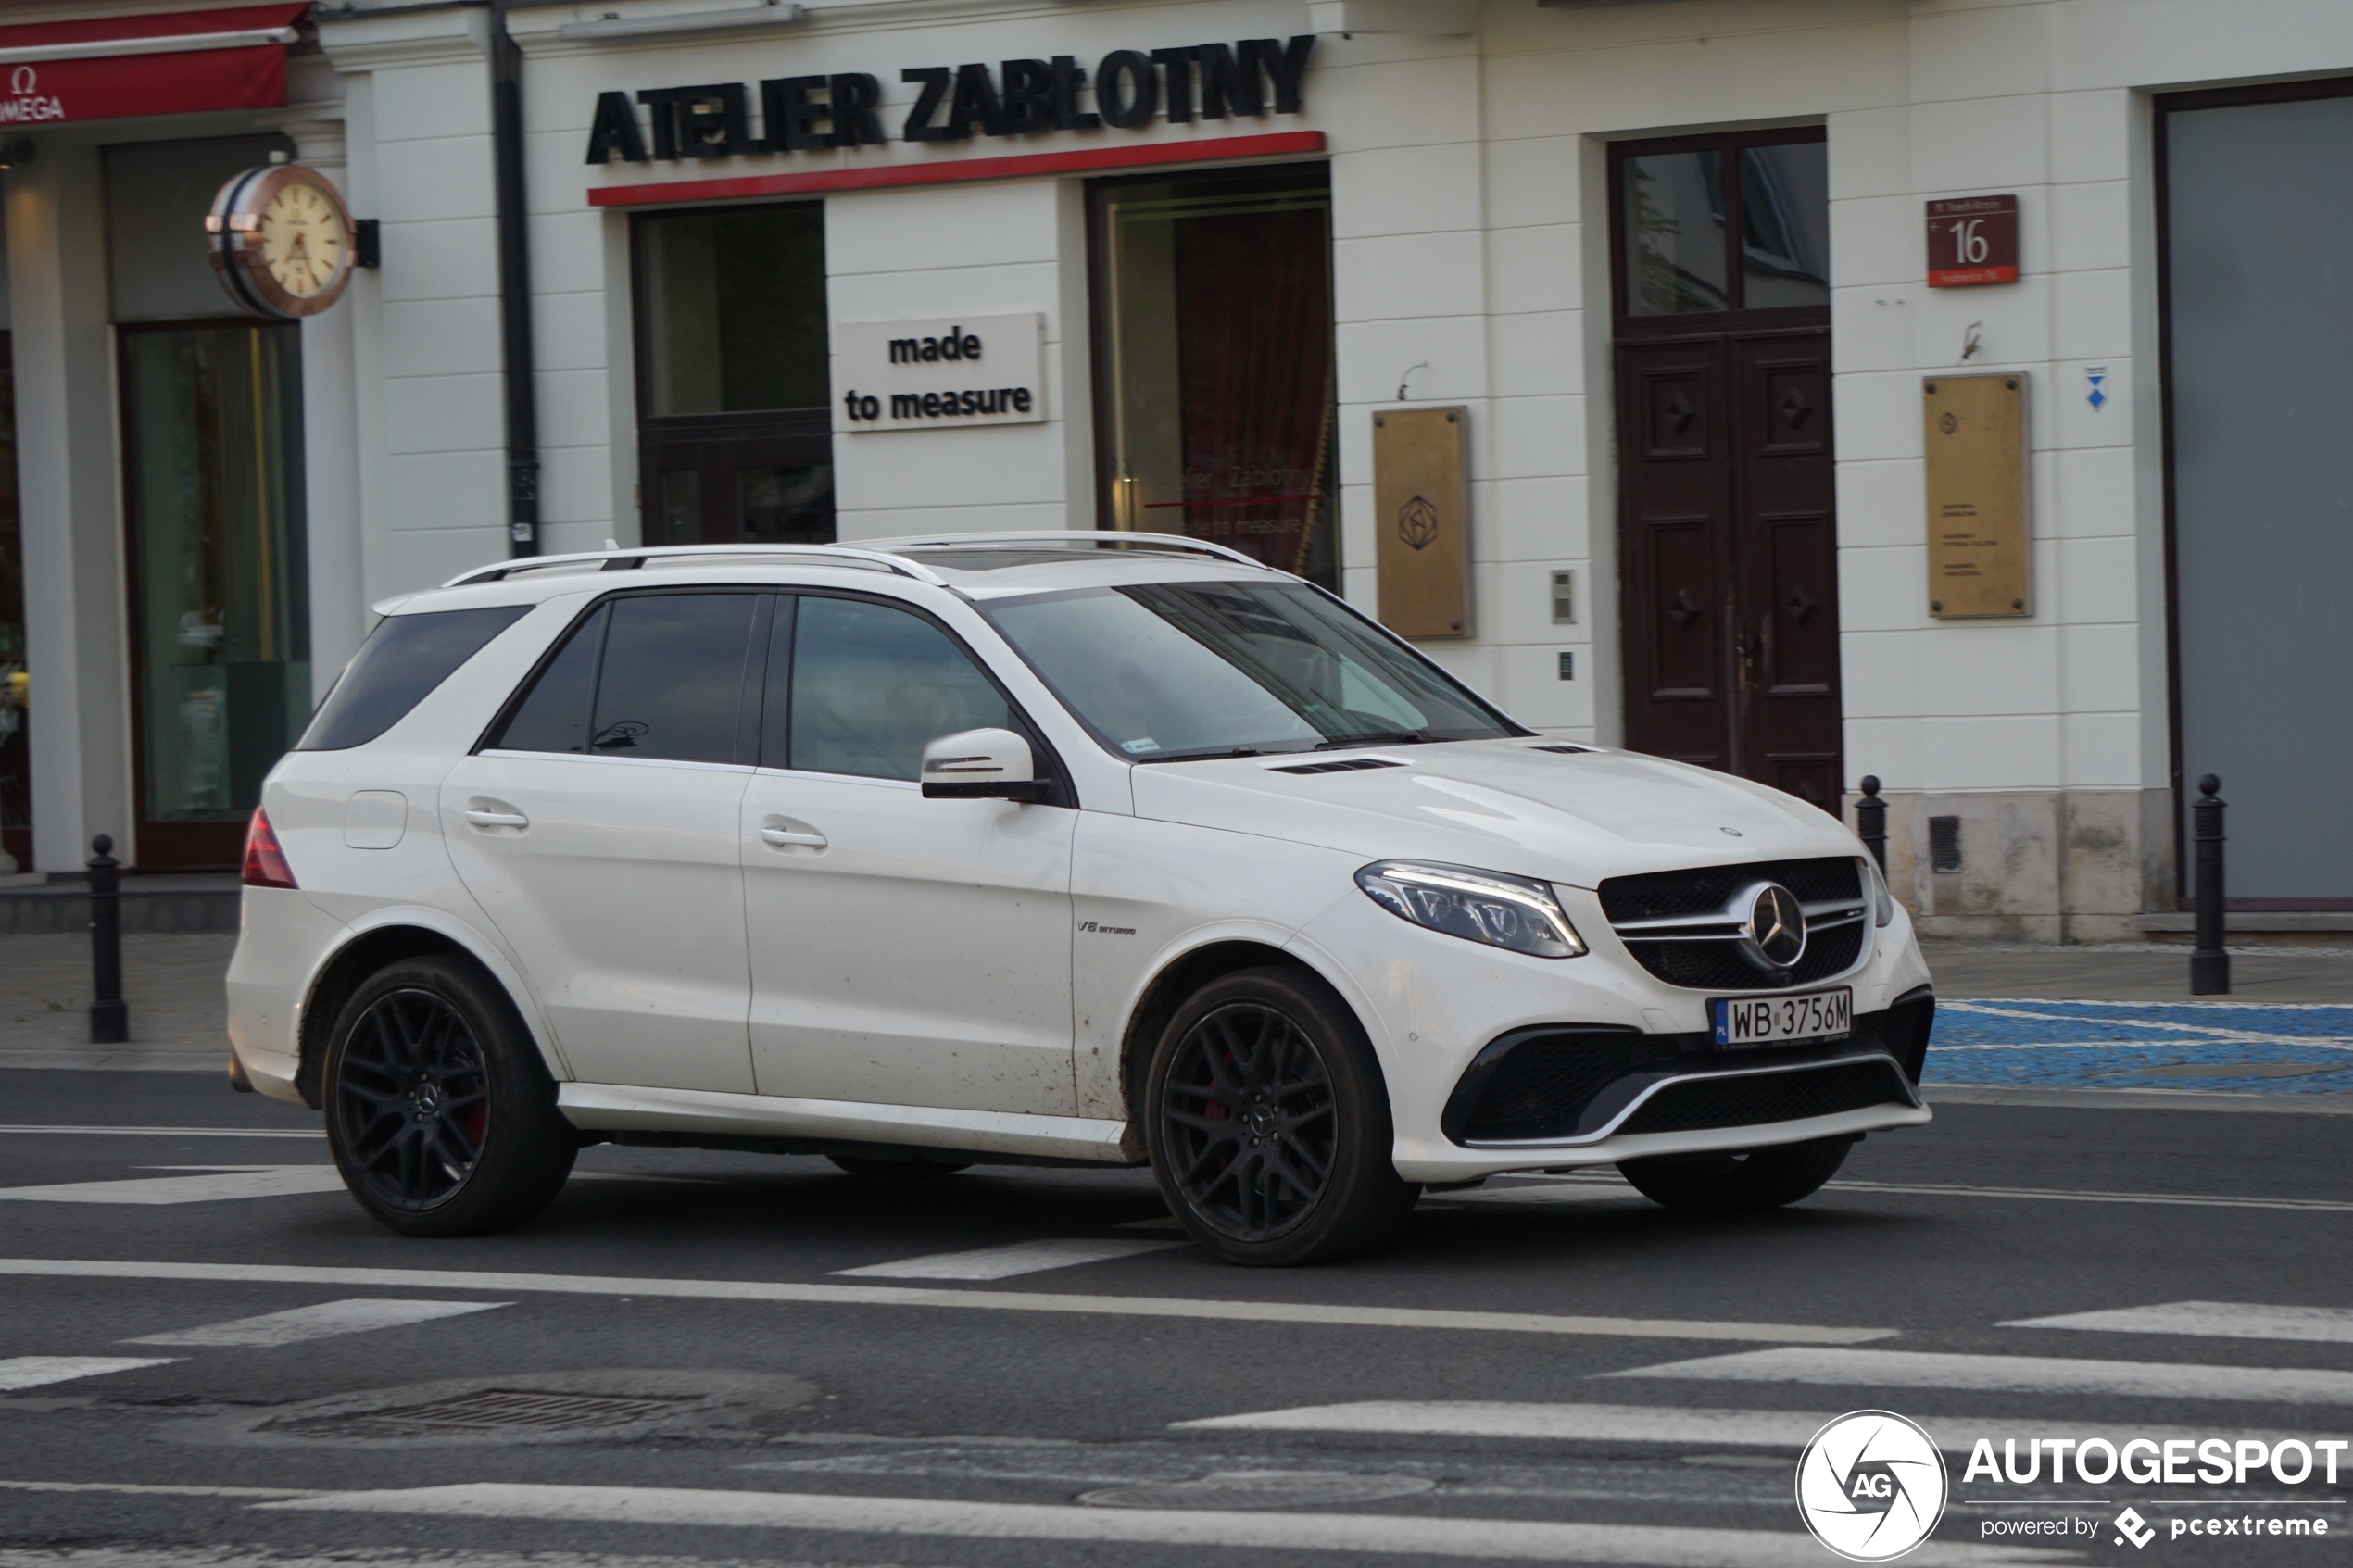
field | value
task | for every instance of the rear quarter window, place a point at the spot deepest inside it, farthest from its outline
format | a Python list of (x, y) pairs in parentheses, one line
[(402, 660)]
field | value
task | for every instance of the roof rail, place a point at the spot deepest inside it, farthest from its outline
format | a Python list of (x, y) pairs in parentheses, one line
[(624, 560), (1134, 540)]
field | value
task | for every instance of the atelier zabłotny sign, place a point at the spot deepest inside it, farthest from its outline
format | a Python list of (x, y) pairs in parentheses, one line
[(922, 375), (1128, 89)]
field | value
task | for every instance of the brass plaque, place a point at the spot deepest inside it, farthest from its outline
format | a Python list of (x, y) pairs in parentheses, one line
[(1421, 520), (1977, 545)]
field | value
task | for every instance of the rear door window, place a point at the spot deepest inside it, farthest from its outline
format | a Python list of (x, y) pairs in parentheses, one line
[(402, 662), (656, 677)]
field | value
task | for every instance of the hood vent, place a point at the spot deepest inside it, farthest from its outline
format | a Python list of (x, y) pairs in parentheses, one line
[(1564, 750), (1351, 765)]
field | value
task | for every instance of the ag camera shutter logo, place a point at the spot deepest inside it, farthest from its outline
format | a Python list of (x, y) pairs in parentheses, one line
[(1871, 1486)]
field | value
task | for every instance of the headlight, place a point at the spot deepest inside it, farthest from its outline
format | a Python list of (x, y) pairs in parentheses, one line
[(1502, 912), (1883, 901)]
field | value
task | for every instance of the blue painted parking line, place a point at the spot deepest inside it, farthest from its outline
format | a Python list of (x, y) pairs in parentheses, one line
[(2265, 1048)]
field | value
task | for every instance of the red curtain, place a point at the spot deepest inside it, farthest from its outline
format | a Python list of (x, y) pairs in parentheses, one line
[(1254, 364)]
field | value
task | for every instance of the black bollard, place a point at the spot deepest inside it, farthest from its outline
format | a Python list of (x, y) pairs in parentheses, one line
[(2209, 961), (109, 1018), (1870, 821)]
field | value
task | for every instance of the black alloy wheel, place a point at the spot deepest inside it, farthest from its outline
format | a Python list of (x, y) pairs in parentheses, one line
[(1247, 1111), (439, 1113), (1270, 1125)]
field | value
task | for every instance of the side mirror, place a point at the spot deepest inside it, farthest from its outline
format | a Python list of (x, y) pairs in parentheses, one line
[(982, 765)]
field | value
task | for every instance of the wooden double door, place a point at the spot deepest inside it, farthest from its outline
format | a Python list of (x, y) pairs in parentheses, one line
[(1727, 554)]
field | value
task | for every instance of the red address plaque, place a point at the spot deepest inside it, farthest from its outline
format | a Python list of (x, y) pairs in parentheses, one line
[(1972, 240)]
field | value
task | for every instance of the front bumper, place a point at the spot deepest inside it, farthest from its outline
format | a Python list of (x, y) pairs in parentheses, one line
[(1434, 1005)]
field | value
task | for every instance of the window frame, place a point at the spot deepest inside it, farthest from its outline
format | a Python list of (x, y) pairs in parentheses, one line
[(770, 670), (1730, 144), (1046, 760), (747, 697)]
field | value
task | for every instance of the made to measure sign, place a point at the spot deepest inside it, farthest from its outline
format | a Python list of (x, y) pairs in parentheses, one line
[(930, 375), (1972, 240)]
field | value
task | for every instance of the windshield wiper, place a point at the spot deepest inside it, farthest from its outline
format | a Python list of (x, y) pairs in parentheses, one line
[(1392, 737), (1199, 756)]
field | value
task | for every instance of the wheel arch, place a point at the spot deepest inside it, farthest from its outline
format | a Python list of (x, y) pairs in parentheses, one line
[(390, 936), (1185, 972)]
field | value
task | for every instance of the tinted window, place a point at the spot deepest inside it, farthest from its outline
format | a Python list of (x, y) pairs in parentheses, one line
[(871, 685), (406, 656), (554, 717), (673, 678)]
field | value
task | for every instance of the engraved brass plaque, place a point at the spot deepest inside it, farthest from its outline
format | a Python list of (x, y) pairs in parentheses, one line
[(1977, 543), (1421, 522)]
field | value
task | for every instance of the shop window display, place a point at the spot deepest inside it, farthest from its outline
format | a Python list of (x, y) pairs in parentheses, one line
[(1215, 408)]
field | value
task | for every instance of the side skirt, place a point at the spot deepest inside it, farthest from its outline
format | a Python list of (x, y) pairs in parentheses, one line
[(704, 1117)]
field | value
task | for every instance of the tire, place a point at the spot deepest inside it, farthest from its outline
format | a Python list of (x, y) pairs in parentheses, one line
[(920, 1170), (1743, 1180), (439, 1113), (1268, 1126)]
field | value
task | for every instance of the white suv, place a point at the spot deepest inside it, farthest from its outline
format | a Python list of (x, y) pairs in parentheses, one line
[(1075, 847)]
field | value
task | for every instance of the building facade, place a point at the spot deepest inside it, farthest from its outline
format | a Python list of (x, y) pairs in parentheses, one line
[(1697, 288)]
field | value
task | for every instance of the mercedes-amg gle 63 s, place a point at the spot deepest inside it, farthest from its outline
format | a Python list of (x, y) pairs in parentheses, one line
[(1075, 847)]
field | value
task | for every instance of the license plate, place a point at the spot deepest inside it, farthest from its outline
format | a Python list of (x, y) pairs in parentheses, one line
[(1742, 1022)]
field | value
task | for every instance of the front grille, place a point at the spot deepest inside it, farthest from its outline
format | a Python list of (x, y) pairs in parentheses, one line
[(1540, 1085), (1755, 1099), (1718, 966), (1663, 894)]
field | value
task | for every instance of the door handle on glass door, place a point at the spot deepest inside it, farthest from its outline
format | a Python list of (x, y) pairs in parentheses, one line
[(483, 819), (786, 836)]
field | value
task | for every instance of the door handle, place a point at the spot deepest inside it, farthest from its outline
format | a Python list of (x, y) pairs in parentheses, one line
[(784, 837), (483, 819)]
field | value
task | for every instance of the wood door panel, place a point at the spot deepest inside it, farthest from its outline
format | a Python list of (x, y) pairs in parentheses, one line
[(1728, 536), (1675, 438)]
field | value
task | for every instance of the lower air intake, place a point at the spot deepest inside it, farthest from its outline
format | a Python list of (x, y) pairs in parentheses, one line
[(1756, 1099)]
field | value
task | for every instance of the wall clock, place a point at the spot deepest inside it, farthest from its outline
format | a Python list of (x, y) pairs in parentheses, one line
[(282, 241)]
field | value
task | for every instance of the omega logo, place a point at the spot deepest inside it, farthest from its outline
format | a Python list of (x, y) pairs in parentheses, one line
[(23, 81)]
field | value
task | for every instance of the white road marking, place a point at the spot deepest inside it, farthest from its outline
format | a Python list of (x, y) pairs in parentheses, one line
[(1494, 1417), (356, 1315), (2211, 1320), (36, 1371), (160, 1491), (1506, 1539), (1004, 1263), (1635, 1424), (217, 1182), (913, 1296), (2023, 1375), (171, 1132)]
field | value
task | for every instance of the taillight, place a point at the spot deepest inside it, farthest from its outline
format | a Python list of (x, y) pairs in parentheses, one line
[(265, 862)]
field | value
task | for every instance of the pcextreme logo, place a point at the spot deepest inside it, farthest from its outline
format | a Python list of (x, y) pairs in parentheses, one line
[(1871, 1486)]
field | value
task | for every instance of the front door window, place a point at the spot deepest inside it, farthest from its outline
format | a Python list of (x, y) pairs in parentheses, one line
[(219, 576)]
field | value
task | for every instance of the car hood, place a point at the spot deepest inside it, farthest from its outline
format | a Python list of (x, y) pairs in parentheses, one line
[(1570, 816)]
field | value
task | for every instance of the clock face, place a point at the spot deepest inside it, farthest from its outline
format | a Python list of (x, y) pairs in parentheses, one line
[(305, 243), (281, 241)]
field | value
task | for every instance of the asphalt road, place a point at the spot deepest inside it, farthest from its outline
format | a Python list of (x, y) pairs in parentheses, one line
[(672, 1365)]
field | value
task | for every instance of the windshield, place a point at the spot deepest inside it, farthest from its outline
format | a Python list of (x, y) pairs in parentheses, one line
[(1175, 669)]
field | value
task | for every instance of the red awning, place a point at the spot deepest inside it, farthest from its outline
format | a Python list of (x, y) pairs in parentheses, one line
[(164, 62)]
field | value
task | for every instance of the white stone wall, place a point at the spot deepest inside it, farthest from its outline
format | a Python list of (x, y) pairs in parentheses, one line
[(1470, 262)]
